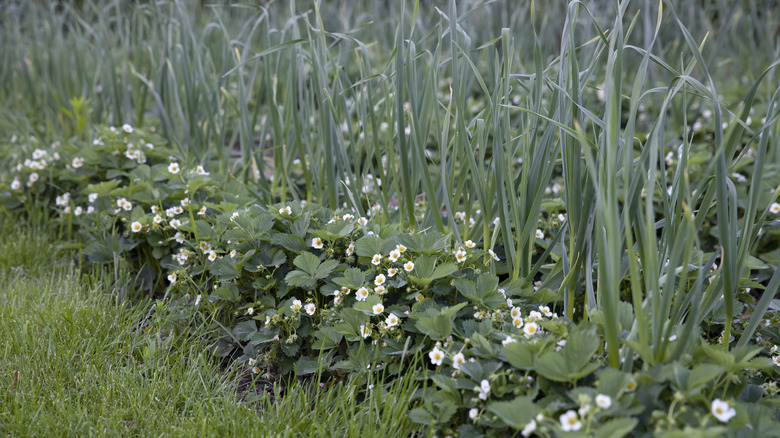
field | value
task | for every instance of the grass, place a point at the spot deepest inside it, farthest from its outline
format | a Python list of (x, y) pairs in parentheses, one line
[(74, 362)]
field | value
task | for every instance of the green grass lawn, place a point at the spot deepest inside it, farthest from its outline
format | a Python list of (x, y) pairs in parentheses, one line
[(74, 362)]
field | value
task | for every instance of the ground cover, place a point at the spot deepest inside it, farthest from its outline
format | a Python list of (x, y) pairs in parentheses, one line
[(76, 362), (482, 233)]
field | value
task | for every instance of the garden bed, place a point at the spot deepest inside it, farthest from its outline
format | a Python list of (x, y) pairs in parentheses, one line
[(581, 241)]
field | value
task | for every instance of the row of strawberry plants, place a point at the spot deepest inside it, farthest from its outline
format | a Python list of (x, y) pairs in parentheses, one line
[(300, 289)]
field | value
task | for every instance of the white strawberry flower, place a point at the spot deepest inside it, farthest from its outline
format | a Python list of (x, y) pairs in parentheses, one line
[(570, 422), (722, 410), (361, 294), (484, 389), (529, 428), (62, 200), (296, 306), (603, 401), (530, 329), (436, 356), (458, 360)]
